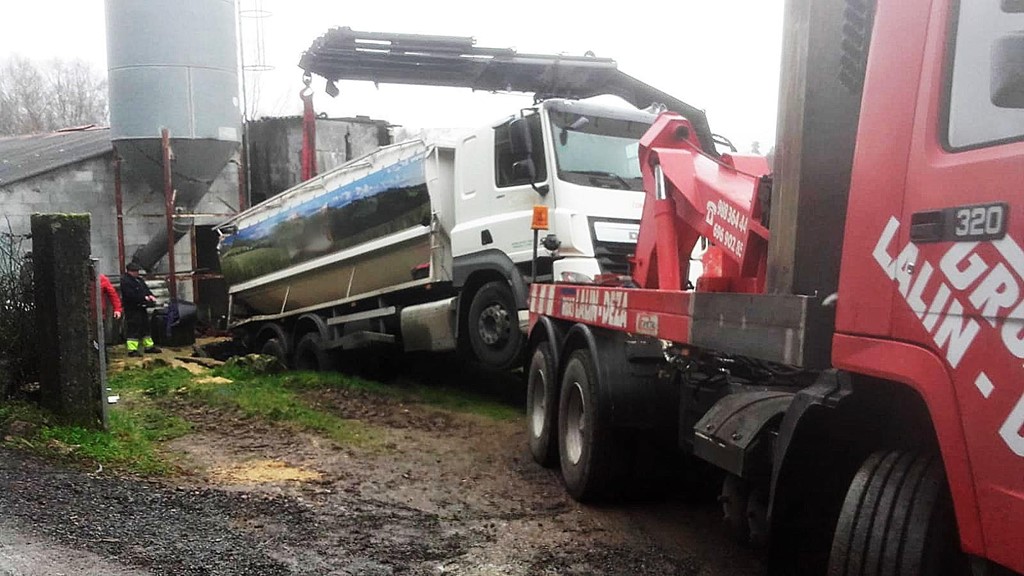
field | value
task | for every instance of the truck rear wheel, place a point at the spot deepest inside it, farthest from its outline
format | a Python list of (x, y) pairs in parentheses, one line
[(897, 519), (493, 326), (274, 347), (310, 355), (591, 455), (542, 404)]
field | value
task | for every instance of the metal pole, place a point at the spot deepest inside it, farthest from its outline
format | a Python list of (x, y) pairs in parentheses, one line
[(533, 267), (165, 147), (101, 347), (243, 164), (119, 204), (195, 264)]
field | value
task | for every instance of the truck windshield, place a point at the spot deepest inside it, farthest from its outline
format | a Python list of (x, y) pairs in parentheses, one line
[(598, 151)]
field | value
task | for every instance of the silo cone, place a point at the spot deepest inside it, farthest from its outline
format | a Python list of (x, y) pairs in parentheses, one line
[(173, 65)]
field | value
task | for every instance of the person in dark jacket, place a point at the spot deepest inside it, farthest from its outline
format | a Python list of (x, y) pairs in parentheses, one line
[(136, 297)]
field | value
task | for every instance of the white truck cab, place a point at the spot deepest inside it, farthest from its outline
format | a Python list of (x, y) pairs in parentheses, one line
[(583, 159)]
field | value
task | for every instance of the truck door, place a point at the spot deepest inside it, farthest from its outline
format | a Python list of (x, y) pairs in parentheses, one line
[(959, 248), (513, 197)]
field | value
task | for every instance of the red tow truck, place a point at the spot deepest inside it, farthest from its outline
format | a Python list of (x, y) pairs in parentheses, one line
[(852, 358)]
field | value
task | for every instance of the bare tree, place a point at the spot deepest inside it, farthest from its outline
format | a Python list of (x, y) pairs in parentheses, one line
[(79, 94), (42, 97)]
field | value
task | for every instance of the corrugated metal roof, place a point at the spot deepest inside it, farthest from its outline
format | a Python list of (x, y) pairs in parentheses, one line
[(23, 157)]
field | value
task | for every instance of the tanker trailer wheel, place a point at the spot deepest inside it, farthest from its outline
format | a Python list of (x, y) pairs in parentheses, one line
[(274, 347), (310, 355), (591, 454), (897, 518), (493, 326), (542, 404)]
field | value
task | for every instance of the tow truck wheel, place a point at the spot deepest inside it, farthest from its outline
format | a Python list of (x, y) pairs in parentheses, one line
[(745, 509), (493, 326), (542, 403), (897, 518), (591, 454), (735, 498)]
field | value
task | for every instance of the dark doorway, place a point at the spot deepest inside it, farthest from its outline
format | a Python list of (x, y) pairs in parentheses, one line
[(212, 293)]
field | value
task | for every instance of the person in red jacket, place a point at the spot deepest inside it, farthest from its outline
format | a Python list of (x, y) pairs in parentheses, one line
[(111, 295)]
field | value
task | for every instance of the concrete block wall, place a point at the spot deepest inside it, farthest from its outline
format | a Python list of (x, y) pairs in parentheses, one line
[(83, 187), (276, 149), (88, 187)]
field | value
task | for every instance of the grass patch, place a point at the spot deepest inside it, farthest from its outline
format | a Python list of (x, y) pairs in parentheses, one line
[(156, 382), (457, 400), (19, 411), (139, 423), (129, 445), (266, 398)]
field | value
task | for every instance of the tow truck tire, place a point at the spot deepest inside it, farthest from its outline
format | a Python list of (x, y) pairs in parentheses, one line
[(310, 355), (542, 405), (897, 518), (274, 347), (493, 326), (591, 454)]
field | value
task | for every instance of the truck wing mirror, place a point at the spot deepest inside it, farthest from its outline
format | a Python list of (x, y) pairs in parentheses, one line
[(522, 143), (526, 170), (1007, 85)]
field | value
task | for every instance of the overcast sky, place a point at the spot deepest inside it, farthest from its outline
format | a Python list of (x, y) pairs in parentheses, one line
[(719, 55)]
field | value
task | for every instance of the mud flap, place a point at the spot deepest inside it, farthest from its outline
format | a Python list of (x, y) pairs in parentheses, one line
[(726, 436)]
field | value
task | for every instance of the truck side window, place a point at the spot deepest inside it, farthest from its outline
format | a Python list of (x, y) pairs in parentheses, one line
[(503, 160), (980, 110)]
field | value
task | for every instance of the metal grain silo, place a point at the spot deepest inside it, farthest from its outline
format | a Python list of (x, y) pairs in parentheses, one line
[(173, 65)]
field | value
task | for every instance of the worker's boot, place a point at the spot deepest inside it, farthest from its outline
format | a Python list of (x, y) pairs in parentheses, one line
[(133, 348), (148, 347)]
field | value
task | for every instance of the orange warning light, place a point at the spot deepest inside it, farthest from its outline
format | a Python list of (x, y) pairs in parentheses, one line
[(540, 218)]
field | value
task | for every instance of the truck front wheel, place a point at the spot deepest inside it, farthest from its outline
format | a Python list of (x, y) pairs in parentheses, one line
[(591, 453), (542, 404), (493, 326), (897, 519)]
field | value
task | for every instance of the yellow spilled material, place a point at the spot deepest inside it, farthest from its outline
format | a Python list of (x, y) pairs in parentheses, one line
[(212, 380), (264, 471)]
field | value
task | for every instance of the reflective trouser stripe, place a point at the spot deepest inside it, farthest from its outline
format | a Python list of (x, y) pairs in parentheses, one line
[(132, 345), (147, 342)]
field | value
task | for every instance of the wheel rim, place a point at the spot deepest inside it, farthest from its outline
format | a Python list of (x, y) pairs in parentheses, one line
[(494, 325), (539, 405), (575, 424)]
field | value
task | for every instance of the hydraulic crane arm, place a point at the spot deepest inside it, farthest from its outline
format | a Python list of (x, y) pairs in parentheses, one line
[(692, 195), (429, 60)]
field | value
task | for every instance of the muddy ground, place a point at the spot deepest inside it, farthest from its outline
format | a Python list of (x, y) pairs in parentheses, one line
[(439, 493)]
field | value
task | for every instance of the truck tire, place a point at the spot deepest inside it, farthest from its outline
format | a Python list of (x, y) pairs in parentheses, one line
[(542, 405), (274, 347), (590, 452), (493, 326), (897, 519), (310, 355)]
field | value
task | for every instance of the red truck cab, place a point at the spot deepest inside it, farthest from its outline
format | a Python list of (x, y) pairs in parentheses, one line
[(931, 286)]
